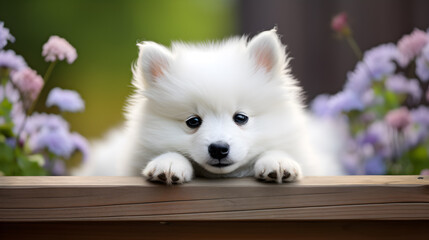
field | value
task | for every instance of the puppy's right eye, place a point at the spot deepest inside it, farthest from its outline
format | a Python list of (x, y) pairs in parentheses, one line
[(194, 122)]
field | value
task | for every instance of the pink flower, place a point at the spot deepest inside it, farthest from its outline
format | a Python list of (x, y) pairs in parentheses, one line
[(398, 118), (28, 83), (339, 22), (411, 45), (58, 48), (424, 172)]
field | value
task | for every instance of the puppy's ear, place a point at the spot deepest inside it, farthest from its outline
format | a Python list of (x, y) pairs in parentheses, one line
[(267, 50), (153, 62)]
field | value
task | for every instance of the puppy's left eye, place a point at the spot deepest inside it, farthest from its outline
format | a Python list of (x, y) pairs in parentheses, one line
[(240, 119)]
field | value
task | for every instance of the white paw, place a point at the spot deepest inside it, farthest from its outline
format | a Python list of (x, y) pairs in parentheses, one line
[(277, 167), (169, 168)]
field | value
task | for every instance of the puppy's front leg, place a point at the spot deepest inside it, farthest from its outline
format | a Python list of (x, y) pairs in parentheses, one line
[(169, 168), (277, 166)]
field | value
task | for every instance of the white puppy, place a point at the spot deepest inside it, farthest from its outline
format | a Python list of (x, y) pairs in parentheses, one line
[(227, 109)]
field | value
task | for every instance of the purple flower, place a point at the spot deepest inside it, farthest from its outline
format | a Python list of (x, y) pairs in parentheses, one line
[(319, 106), (81, 145), (398, 83), (344, 101), (375, 166), (379, 60), (422, 64), (66, 100), (58, 168), (420, 116), (368, 137), (51, 132), (39, 120), (398, 118), (56, 141), (11, 142), (58, 48), (5, 36), (379, 135), (351, 158), (414, 135), (424, 172), (11, 93), (411, 45), (28, 83), (359, 80), (369, 98), (18, 116), (325, 105), (414, 89), (8, 59), (352, 163)]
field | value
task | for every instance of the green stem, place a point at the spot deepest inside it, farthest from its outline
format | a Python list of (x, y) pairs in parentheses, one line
[(4, 74), (45, 80), (351, 41), (49, 71)]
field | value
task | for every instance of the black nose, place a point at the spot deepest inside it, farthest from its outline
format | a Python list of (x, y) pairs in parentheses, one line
[(219, 150)]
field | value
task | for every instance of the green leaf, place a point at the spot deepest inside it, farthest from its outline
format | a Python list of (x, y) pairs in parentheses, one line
[(8, 165), (29, 167), (419, 159), (37, 158), (5, 107), (378, 89), (6, 129), (391, 100)]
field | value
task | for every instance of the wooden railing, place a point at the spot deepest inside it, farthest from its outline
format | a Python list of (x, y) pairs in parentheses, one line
[(373, 207)]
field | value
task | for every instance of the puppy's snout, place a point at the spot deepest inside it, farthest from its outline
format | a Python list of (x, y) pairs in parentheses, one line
[(219, 150)]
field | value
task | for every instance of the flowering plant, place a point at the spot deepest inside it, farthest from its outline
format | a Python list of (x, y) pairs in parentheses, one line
[(35, 143), (384, 105)]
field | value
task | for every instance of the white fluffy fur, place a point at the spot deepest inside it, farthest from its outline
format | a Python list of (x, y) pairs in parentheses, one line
[(214, 81)]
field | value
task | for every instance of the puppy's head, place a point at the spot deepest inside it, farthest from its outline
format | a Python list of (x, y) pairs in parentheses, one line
[(214, 103)]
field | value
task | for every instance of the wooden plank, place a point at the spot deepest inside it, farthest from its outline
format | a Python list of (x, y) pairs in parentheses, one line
[(138, 181), (132, 198), (214, 230)]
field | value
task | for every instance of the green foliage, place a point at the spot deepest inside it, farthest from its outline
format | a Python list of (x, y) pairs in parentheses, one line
[(31, 165), (8, 165), (7, 126), (419, 158), (14, 162)]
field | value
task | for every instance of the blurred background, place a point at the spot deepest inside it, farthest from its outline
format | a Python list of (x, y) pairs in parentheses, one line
[(105, 34)]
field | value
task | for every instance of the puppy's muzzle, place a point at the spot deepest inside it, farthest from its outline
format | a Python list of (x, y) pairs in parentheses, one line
[(219, 151)]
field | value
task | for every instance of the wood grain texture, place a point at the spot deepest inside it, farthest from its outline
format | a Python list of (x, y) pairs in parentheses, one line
[(30, 199), (215, 230)]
